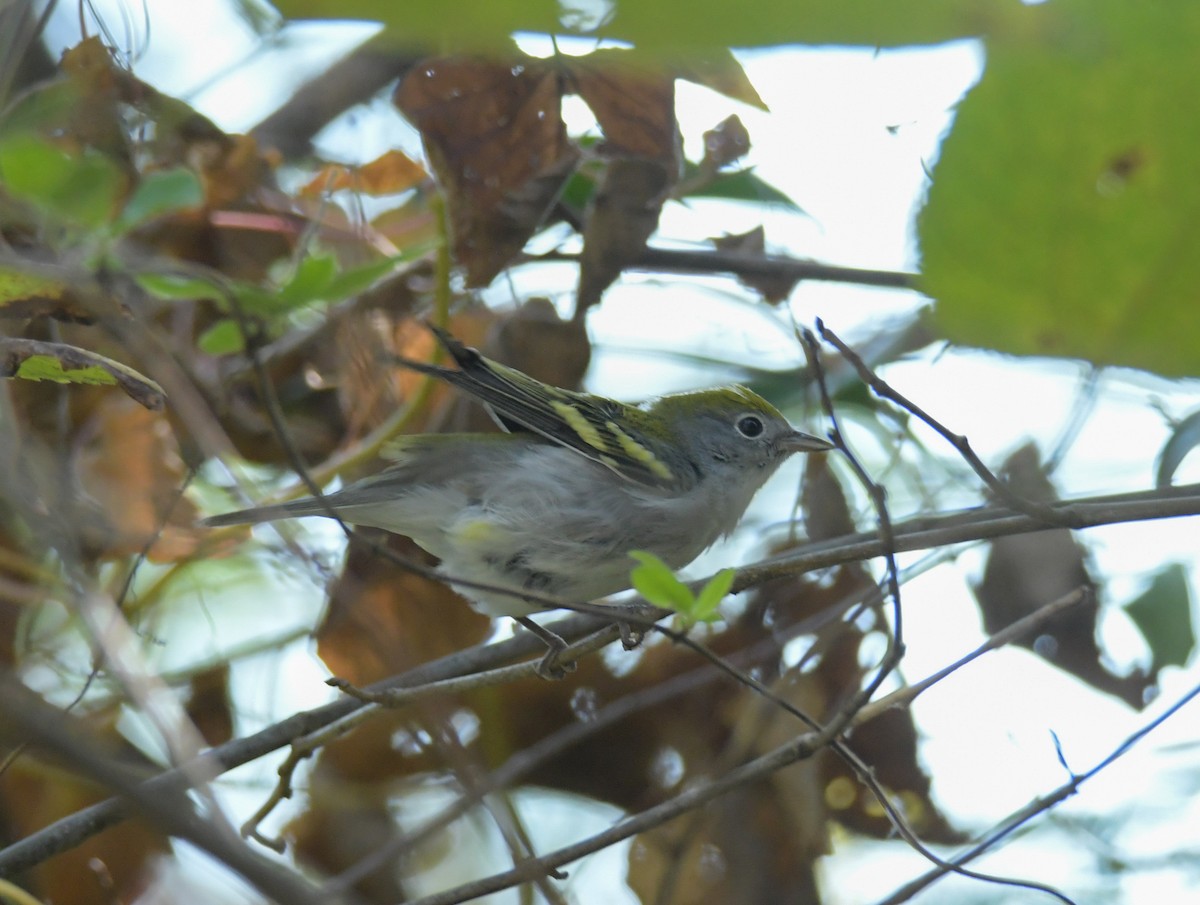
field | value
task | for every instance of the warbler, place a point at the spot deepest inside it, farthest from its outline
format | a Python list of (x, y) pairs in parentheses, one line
[(553, 506)]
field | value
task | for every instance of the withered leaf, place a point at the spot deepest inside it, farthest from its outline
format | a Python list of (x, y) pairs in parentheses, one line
[(494, 135), (1027, 571), (130, 470), (724, 143), (622, 216), (390, 173), (208, 705), (382, 620), (752, 244), (634, 103), (114, 866)]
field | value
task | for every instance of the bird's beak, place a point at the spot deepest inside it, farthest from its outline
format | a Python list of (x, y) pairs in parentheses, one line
[(798, 441)]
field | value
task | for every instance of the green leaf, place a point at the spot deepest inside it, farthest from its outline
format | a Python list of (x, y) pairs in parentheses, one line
[(78, 189), (359, 279), (256, 300), (1061, 217), (47, 108), (655, 581), (47, 367), (222, 338), (740, 185), (668, 26), (310, 282), (30, 359), (16, 285), (1163, 614), (351, 282), (178, 287), (160, 193), (712, 594)]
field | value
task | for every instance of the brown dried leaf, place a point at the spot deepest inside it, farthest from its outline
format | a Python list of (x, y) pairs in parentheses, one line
[(95, 120), (826, 512), (382, 620), (390, 173), (113, 866), (208, 705), (1027, 571), (888, 745), (494, 135), (129, 468), (634, 103), (724, 143), (740, 850), (536, 341), (752, 244), (230, 168), (622, 216)]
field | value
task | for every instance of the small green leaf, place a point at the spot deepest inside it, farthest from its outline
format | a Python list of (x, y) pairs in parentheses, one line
[(177, 287), (310, 282), (359, 279), (162, 193), (31, 359), (655, 581), (256, 300), (712, 594), (47, 367), (1163, 614), (222, 338)]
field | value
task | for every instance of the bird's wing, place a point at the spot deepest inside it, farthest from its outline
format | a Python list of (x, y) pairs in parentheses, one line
[(599, 429)]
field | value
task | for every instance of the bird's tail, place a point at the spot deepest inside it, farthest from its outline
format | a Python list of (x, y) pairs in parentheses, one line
[(293, 509)]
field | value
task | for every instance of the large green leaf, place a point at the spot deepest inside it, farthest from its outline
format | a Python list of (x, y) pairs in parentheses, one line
[(1062, 215), (79, 189), (671, 26)]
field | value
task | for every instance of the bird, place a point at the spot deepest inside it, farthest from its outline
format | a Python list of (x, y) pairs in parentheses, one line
[(551, 507)]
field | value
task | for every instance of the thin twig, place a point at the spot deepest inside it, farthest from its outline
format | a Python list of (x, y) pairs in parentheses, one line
[(668, 260), (887, 538), (1002, 490), (695, 796), (916, 534), (1019, 818), (27, 717)]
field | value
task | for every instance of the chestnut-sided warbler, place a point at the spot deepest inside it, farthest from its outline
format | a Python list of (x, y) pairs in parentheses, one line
[(554, 506)]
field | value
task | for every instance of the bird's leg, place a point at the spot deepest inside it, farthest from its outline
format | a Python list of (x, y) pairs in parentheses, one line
[(549, 668)]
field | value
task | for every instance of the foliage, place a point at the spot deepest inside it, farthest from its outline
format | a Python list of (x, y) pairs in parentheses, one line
[(1040, 239), (654, 580)]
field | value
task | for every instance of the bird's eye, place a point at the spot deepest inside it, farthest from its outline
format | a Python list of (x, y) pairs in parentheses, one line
[(750, 426)]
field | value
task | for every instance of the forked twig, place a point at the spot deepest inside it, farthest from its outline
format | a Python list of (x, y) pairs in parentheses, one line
[(1048, 514)]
